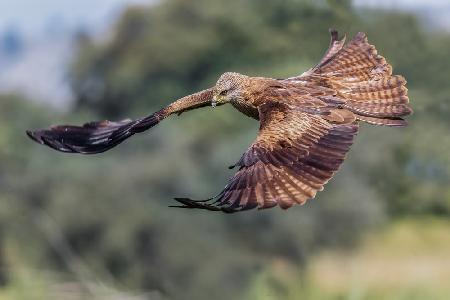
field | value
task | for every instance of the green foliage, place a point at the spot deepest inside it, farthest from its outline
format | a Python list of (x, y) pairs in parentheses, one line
[(105, 218), (159, 53), (177, 47), (405, 260)]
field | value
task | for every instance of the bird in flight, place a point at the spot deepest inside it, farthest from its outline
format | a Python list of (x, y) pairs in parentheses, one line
[(307, 124)]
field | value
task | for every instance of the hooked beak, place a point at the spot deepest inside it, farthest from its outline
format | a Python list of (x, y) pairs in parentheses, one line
[(214, 101)]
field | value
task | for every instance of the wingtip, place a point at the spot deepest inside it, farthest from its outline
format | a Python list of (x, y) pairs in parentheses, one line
[(201, 204), (334, 34), (39, 137), (360, 36), (34, 136), (29, 133), (401, 123), (179, 199)]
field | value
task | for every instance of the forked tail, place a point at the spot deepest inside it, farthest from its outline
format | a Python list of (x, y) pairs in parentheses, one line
[(364, 82)]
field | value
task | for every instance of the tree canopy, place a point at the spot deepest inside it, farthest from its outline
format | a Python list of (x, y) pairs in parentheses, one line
[(111, 210)]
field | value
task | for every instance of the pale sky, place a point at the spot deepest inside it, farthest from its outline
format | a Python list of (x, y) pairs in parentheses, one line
[(34, 16), (42, 77), (407, 3)]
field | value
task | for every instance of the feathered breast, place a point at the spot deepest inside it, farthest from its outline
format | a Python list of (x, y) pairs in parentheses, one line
[(246, 108)]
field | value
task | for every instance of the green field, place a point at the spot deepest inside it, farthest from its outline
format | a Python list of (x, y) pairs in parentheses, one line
[(406, 260)]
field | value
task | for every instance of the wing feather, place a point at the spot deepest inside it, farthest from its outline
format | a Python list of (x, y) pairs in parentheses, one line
[(293, 156), (362, 80), (97, 137)]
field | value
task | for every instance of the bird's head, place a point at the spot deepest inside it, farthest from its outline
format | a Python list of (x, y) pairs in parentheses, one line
[(228, 88)]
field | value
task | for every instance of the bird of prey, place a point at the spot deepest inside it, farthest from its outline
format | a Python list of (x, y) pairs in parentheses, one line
[(307, 124)]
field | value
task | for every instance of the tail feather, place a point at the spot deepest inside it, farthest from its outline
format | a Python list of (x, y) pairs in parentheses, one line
[(358, 61), (386, 83), (384, 91), (364, 79), (398, 122), (378, 110)]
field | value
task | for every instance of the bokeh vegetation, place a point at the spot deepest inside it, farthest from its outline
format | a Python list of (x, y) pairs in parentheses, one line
[(100, 225)]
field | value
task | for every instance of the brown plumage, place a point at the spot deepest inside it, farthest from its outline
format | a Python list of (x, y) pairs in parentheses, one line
[(307, 124)]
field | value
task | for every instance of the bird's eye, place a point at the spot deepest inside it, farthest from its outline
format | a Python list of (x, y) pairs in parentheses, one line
[(223, 93)]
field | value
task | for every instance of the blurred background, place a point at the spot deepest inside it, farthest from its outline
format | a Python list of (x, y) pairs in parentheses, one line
[(99, 227)]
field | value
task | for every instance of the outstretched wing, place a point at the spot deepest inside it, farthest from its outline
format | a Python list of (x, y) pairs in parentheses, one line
[(97, 137), (294, 155), (335, 46)]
